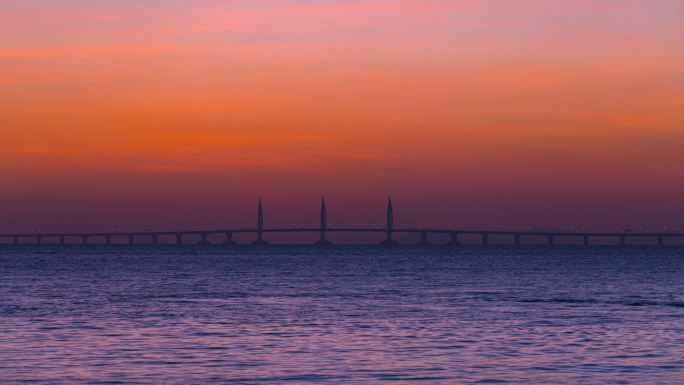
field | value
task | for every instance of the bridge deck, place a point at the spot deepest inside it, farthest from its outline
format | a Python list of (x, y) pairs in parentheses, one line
[(347, 230), (424, 232)]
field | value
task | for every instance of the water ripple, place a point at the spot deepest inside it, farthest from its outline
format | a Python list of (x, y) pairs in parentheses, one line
[(297, 315)]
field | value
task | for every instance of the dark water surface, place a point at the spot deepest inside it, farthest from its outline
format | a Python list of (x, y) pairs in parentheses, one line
[(353, 315)]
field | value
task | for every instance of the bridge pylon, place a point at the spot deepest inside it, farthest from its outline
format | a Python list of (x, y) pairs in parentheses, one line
[(323, 241), (390, 224), (260, 226), (454, 239), (229, 239)]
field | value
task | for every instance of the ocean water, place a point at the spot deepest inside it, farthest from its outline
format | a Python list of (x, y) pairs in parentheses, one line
[(184, 315)]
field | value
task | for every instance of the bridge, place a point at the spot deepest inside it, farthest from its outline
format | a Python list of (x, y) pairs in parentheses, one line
[(515, 237)]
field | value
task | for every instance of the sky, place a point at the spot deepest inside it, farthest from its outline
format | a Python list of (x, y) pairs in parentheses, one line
[(177, 113)]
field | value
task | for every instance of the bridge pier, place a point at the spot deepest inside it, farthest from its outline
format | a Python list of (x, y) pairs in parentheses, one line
[(84, 239), (424, 239), (454, 239), (551, 240), (623, 239), (390, 224), (131, 239), (204, 241), (39, 240), (388, 240), (323, 240), (260, 227), (660, 240), (16, 240), (485, 239), (517, 239), (108, 239), (229, 239), (62, 240), (586, 240), (155, 239), (260, 240), (179, 238)]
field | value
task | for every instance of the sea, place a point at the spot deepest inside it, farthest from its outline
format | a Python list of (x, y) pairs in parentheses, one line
[(341, 315)]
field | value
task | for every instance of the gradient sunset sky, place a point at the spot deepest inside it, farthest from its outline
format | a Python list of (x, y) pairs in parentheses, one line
[(164, 113)]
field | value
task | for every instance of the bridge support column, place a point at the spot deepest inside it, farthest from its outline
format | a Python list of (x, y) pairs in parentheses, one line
[(108, 239), (61, 240), (179, 238), (260, 240), (517, 239), (39, 240), (155, 239), (485, 239), (586, 240), (131, 239), (424, 239), (390, 224), (623, 239), (260, 226), (454, 239), (84, 239), (388, 240), (551, 240), (16, 240), (229, 239), (660, 240), (204, 241), (323, 240)]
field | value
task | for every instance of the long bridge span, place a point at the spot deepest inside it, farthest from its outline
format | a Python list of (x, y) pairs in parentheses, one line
[(515, 236)]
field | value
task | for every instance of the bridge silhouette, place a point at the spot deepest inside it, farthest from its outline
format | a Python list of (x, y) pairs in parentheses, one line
[(515, 236)]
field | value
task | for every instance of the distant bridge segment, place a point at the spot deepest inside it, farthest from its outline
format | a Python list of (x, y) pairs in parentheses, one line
[(515, 236)]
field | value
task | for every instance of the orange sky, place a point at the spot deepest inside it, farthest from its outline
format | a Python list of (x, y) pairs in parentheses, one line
[(165, 113)]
